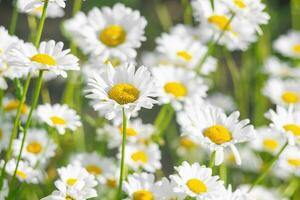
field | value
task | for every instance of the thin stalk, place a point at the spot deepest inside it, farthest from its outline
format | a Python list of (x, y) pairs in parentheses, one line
[(163, 15), (212, 44), (267, 170), (122, 167), (28, 122), (223, 173), (23, 98), (1, 98), (14, 19), (187, 12), (212, 161)]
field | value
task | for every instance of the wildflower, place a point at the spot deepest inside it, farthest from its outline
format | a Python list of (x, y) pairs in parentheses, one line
[(288, 45)]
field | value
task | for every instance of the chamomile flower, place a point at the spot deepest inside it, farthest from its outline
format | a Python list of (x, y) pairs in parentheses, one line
[(116, 29), (276, 68), (5, 132), (176, 85), (38, 147), (268, 140), (25, 173), (283, 92), (288, 45), (50, 56), (77, 178), (120, 88), (238, 33), (289, 160), (144, 157), (210, 126), (60, 117), (165, 190), (197, 181), (184, 52), (67, 194), (101, 168), (53, 9), (141, 186), (136, 132), (30, 5), (251, 10), (286, 121), (4, 190)]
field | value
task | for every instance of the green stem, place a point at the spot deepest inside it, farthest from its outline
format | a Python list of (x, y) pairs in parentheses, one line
[(163, 15), (212, 161), (223, 173), (212, 44), (187, 12), (292, 187), (28, 122), (1, 98), (122, 167), (41, 24), (295, 12), (267, 170), (14, 18)]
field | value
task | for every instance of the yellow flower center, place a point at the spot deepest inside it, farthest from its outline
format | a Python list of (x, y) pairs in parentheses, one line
[(296, 48), (184, 55), (131, 132), (112, 183), (34, 147), (94, 169), (220, 21), (196, 186), (240, 3), (295, 129), (69, 198), (13, 105), (143, 195), (21, 174), (113, 35), (139, 156), (43, 59), (115, 62), (71, 181), (218, 134), (270, 144), (177, 89), (124, 93), (294, 162), (290, 97), (187, 143), (57, 120)]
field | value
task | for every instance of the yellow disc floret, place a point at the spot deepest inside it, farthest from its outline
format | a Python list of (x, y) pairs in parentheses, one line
[(139, 156), (177, 89), (290, 97), (270, 144), (184, 55), (34, 147), (93, 169), (57, 120), (124, 93), (196, 186), (143, 195), (43, 59), (113, 35), (294, 128), (218, 134), (221, 21)]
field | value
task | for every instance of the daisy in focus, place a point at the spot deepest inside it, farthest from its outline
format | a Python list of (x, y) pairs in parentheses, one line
[(197, 181), (120, 88), (176, 85), (30, 5), (211, 127), (60, 117), (50, 56)]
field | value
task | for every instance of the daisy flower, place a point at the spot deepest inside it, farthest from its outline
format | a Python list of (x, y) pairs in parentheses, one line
[(144, 157), (276, 68), (251, 10), (53, 9), (30, 5), (238, 33), (286, 121), (283, 92), (10, 107), (25, 173), (120, 88), (176, 85), (197, 181), (76, 178), (165, 190), (5, 132), (60, 117), (50, 56), (116, 29), (136, 132), (141, 186), (289, 161), (211, 127), (101, 168), (38, 147), (67, 194), (184, 52), (288, 45), (268, 140)]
